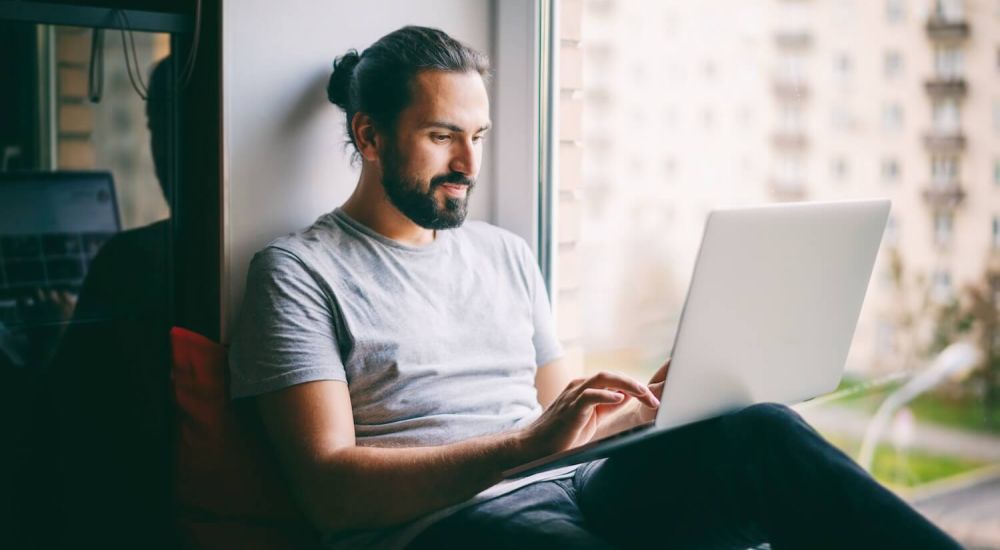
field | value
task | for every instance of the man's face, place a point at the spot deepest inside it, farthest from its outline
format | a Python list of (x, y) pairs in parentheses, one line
[(430, 167)]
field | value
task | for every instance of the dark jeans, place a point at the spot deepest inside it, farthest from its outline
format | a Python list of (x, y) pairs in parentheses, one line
[(761, 474)]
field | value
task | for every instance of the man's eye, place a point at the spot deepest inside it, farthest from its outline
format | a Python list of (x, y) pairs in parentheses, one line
[(440, 138), (478, 139)]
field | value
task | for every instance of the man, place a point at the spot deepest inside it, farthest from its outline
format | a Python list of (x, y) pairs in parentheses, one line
[(401, 360)]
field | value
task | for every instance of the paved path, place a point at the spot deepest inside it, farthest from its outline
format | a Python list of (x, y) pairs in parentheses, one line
[(932, 438)]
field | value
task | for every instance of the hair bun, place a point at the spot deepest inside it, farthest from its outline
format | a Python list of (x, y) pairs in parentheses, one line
[(338, 90)]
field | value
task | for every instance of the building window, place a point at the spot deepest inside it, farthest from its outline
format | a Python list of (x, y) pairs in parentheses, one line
[(885, 338), (943, 222), (996, 232), (791, 118), (892, 117), (892, 64), (788, 172), (949, 10), (895, 11), (941, 286), (891, 231), (791, 68), (840, 169), (890, 170), (840, 117), (948, 62), (842, 65), (996, 172), (944, 171), (947, 117), (996, 116)]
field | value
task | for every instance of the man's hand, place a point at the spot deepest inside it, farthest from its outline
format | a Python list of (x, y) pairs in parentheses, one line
[(647, 414), (573, 418)]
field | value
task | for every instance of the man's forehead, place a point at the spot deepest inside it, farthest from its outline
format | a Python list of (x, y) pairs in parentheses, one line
[(449, 98)]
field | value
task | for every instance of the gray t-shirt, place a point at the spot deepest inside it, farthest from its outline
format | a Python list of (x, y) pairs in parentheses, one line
[(437, 343)]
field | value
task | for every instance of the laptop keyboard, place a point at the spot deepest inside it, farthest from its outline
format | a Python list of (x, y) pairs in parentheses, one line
[(29, 263)]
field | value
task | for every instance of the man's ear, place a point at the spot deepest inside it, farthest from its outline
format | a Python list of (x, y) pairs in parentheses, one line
[(366, 139)]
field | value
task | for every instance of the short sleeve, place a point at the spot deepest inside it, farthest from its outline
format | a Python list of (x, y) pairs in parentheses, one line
[(286, 333), (547, 347)]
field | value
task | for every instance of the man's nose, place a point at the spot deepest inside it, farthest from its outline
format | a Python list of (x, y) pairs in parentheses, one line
[(466, 158)]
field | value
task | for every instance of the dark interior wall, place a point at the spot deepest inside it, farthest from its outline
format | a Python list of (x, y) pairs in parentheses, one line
[(19, 125)]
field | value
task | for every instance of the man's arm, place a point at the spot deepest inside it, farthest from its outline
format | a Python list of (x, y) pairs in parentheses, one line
[(342, 486)]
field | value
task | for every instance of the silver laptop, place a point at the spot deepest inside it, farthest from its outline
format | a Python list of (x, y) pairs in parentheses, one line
[(769, 316)]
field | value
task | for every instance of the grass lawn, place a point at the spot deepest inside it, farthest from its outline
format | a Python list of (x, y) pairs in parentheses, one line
[(969, 414), (910, 468)]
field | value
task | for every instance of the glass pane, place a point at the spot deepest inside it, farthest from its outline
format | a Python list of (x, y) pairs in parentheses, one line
[(671, 108), (85, 277)]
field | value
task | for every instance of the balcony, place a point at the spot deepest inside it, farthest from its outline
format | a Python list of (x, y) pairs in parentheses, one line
[(938, 86), (938, 141), (945, 29), (793, 39), (787, 191), (944, 196), (789, 139), (791, 90)]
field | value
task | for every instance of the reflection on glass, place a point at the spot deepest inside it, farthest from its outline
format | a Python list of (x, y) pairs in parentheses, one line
[(828, 97), (84, 288)]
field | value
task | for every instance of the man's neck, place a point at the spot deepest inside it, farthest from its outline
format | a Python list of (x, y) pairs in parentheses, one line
[(370, 206)]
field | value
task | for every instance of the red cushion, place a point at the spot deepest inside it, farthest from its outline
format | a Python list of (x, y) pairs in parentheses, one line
[(229, 486)]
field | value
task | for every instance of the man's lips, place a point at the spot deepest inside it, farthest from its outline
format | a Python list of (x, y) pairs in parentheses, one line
[(458, 190)]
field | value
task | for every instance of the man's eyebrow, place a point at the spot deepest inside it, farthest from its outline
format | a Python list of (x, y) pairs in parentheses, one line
[(452, 127)]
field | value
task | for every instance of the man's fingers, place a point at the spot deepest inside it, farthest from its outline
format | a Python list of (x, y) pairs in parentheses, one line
[(594, 396), (622, 383)]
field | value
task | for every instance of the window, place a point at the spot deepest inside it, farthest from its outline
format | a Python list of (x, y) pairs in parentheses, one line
[(840, 117), (791, 68), (789, 171), (842, 65), (996, 172), (948, 61), (890, 170), (946, 116), (885, 338), (840, 169), (941, 290), (892, 231), (892, 117), (996, 232), (892, 64), (996, 116), (944, 170), (895, 11), (949, 10), (791, 118), (943, 222), (861, 138)]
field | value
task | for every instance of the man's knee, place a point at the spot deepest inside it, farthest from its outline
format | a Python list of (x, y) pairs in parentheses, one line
[(767, 418)]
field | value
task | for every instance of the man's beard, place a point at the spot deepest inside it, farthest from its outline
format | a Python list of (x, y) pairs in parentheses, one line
[(406, 194)]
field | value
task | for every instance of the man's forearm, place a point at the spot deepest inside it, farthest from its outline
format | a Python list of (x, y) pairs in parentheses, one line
[(368, 487)]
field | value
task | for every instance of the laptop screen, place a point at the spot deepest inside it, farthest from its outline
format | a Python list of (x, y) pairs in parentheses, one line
[(51, 226)]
